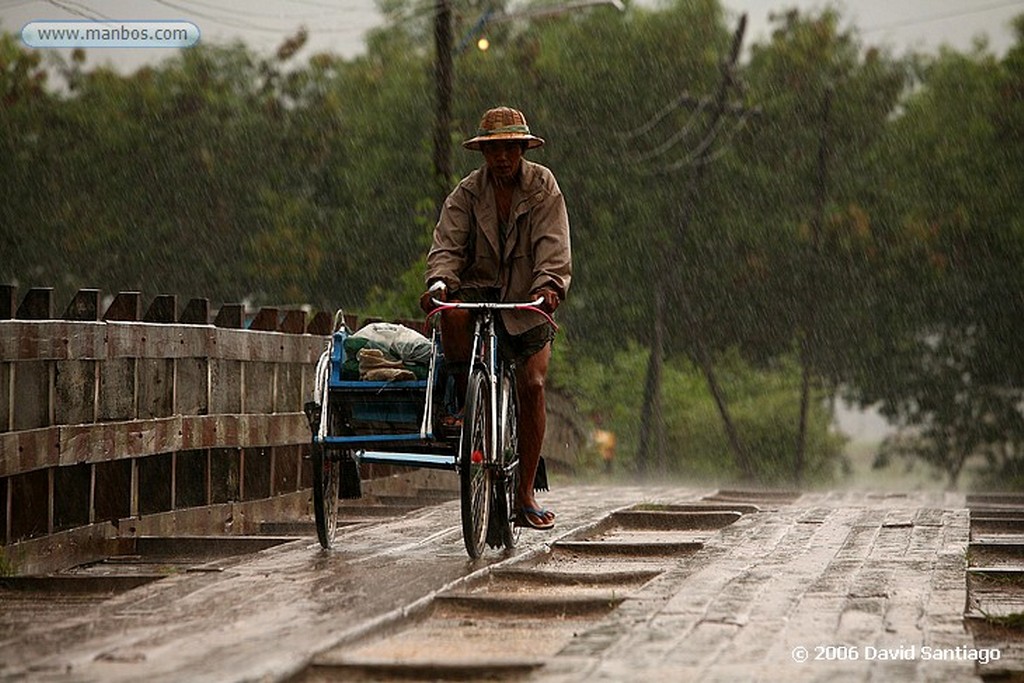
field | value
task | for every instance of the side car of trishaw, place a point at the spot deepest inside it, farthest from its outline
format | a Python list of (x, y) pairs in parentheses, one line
[(415, 423)]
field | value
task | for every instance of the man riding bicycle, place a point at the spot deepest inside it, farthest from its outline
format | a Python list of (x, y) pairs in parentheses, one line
[(503, 236)]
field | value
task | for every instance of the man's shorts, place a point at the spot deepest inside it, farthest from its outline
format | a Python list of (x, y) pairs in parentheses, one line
[(516, 348)]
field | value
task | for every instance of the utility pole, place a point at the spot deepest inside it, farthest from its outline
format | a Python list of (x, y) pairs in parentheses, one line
[(444, 50), (443, 79), (665, 296)]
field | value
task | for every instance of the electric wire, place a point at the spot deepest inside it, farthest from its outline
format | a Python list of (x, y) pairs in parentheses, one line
[(86, 8), (225, 21), (926, 19), (242, 24), (250, 13), (720, 151), (654, 120), (695, 153), (337, 8), (71, 10), (674, 139)]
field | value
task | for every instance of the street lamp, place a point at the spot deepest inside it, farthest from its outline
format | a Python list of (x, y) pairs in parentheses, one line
[(443, 51)]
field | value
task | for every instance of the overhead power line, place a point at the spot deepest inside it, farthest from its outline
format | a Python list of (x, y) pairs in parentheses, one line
[(225, 21), (657, 118), (86, 8), (239, 23), (928, 18), (78, 13), (336, 6), (250, 13)]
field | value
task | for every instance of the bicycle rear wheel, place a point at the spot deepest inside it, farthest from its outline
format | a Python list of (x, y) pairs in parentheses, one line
[(326, 476), (474, 459)]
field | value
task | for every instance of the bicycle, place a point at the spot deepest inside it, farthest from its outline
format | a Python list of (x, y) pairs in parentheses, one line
[(350, 418), (488, 474)]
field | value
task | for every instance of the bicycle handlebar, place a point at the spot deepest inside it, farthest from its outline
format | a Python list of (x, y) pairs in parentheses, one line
[(484, 305), (498, 306)]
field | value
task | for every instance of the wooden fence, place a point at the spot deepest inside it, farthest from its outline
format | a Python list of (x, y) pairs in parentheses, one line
[(161, 420), (112, 417)]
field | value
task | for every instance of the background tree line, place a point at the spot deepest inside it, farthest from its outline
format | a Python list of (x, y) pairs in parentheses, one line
[(858, 230)]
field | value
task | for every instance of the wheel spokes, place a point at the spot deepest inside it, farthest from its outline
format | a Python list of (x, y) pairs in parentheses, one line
[(475, 461)]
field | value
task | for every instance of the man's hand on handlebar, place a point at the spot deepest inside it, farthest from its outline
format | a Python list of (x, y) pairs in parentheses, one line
[(551, 299), (437, 291), (427, 300)]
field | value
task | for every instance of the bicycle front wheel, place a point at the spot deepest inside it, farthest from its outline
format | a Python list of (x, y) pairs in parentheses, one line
[(475, 456)]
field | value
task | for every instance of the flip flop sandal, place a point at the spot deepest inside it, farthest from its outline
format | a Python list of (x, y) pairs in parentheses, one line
[(535, 518)]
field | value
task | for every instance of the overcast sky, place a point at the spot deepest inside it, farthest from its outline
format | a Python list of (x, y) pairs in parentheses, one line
[(339, 25)]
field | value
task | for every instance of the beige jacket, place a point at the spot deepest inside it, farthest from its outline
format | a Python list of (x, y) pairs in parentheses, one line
[(467, 249)]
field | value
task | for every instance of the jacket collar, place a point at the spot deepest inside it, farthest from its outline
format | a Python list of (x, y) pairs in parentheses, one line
[(529, 180), (526, 194)]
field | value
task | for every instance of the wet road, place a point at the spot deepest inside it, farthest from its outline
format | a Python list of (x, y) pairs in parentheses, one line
[(263, 616), (634, 584)]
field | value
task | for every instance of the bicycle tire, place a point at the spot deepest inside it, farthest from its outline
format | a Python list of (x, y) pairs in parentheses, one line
[(509, 459), (475, 457), (326, 477)]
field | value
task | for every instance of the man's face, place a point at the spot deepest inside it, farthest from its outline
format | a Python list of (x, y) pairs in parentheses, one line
[(503, 158)]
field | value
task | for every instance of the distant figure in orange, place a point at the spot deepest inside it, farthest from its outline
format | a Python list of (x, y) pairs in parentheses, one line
[(605, 441)]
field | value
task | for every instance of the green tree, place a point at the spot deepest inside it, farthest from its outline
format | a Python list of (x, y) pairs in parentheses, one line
[(953, 379), (24, 104), (802, 172), (282, 179)]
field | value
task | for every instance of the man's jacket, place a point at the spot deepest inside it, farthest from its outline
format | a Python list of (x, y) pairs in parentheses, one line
[(472, 250)]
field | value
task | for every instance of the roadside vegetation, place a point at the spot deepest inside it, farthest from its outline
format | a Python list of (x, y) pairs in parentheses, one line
[(858, 229)]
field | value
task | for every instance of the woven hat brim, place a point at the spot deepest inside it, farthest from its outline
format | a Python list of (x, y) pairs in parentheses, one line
[(532, 141)]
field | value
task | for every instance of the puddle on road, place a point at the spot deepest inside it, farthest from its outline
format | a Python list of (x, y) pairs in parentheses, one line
[(470, 636), (564, 581), (161, 556), (28, 601), (754, 496), (450, 649), (516, 618)]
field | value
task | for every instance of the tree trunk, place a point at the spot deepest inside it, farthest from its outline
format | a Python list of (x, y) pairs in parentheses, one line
[(805, 401), (811, 307), (739, 451), (651, 449)]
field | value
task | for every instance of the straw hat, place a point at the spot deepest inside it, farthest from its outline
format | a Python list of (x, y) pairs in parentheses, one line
[(503, 123)]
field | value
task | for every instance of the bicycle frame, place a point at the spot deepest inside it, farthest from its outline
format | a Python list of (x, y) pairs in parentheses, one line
[(483, 327)]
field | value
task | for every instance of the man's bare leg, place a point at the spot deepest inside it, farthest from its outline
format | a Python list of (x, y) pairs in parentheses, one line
[(457, 342), (530, 379)]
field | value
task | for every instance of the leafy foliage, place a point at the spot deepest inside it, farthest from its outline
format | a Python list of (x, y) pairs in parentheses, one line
[(283, 179), (764, 403), (955, 382)]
